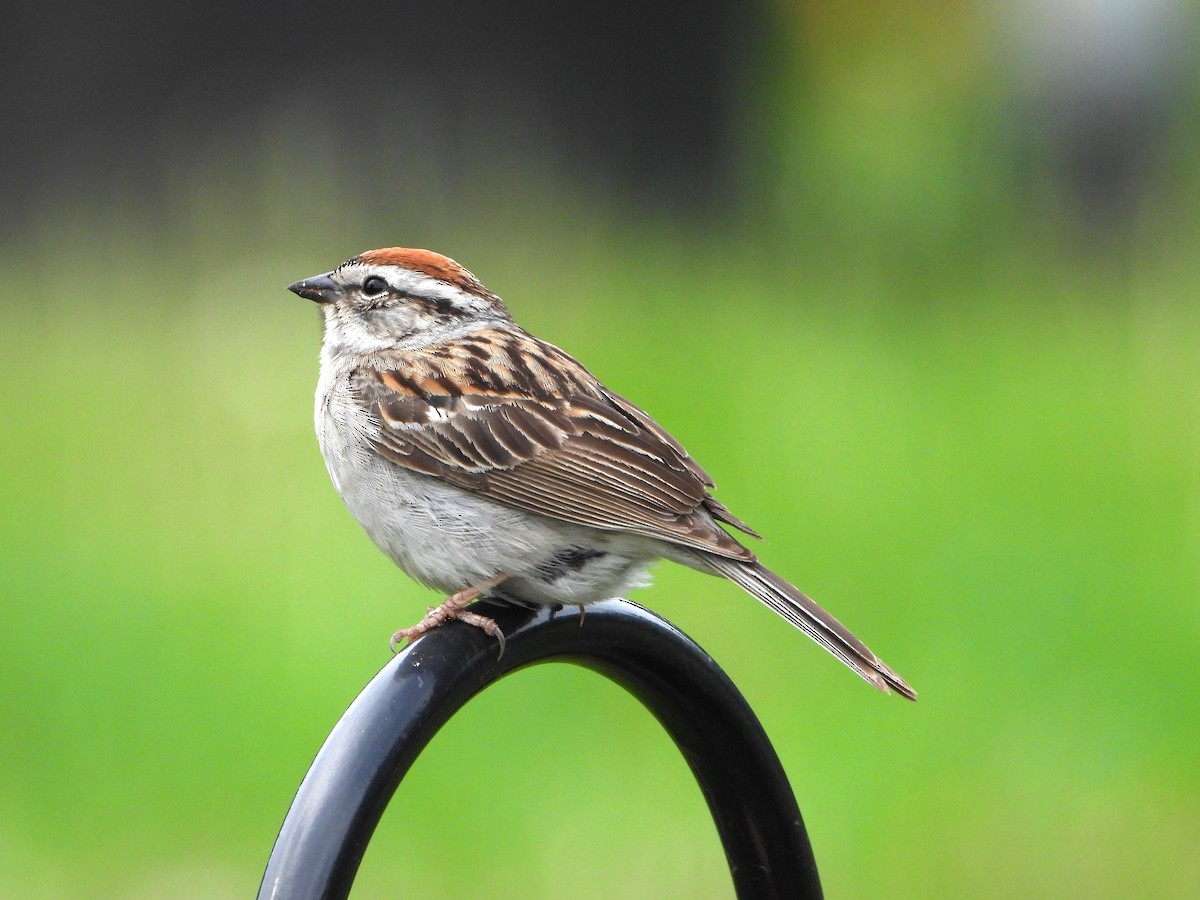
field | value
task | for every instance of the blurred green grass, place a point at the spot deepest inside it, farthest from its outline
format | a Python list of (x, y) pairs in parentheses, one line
[(989, 471)]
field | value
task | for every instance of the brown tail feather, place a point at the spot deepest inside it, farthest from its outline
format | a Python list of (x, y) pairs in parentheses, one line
[(790, 603)]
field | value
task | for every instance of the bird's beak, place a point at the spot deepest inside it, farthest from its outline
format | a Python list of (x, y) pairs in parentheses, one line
[(320, 288)]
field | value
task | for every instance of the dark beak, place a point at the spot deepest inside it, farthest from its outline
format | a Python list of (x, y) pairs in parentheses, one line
[(320, 288)]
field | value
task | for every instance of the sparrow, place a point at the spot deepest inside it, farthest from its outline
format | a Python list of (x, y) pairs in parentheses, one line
[(488, 463)]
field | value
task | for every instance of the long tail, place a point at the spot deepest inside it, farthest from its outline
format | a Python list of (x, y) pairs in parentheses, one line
[(763, 584)]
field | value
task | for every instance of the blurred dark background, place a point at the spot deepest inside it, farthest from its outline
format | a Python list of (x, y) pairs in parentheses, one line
[(674, 104), (917, 284), (645, 100)]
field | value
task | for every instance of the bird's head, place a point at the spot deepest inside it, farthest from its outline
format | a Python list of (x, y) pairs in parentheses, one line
[(397, 297)]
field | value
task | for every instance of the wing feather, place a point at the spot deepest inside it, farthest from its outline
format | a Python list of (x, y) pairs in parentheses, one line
[(540, 433)]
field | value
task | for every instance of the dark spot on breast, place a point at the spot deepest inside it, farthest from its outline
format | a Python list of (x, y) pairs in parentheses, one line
[(566, 561)]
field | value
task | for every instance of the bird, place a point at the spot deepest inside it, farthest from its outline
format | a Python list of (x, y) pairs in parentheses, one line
[(488, 463)]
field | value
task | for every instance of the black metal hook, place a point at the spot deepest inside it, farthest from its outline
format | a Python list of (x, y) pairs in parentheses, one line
[(351, 781)]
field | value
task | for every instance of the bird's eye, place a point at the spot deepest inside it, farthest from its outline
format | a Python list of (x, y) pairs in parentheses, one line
[(374, 285)]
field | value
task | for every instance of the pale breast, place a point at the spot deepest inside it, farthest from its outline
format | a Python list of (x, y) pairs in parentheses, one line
[(448, 538)]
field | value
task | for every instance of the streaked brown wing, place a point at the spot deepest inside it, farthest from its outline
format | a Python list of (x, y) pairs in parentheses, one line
[(536, 431)]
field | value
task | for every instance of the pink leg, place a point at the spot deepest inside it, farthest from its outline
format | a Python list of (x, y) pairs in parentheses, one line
[(452, 608)]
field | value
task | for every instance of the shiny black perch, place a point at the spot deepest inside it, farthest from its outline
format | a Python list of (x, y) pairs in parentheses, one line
[(351, 781)]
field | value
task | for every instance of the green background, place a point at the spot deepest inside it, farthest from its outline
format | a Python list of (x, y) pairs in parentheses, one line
[(968, 428)]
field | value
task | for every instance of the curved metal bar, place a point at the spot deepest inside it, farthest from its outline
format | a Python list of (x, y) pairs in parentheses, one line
[(351, 781)]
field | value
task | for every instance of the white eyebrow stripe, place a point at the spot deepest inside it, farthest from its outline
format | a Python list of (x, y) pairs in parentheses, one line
[(415, 284), (406, 281)]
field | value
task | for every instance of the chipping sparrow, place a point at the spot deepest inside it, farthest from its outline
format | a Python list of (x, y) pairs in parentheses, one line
[(486, 462)]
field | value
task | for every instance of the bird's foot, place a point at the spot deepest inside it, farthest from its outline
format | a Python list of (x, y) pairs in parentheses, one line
[(453, 608)]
